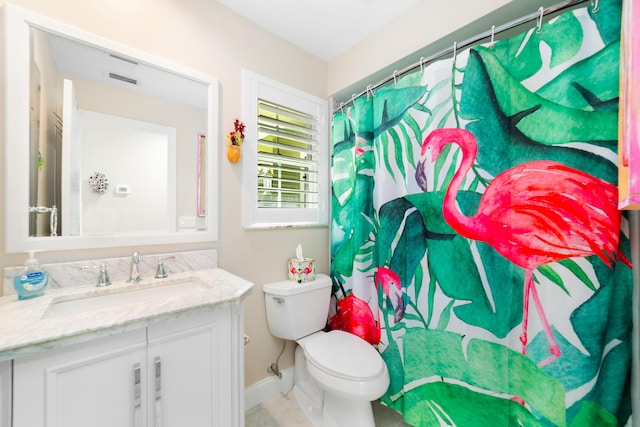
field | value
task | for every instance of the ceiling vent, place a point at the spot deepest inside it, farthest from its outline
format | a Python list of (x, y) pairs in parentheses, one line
[(123, 78), (121, 58)]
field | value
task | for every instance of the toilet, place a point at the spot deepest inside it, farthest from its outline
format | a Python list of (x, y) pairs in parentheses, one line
[(337, 374)]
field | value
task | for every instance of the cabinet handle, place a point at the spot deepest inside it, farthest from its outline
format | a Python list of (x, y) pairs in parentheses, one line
[(158, 391), (137, 402)]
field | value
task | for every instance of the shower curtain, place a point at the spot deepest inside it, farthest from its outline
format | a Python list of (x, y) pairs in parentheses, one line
[(475, 236)]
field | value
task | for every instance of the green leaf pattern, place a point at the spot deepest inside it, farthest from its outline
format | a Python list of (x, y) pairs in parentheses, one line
[(455, 358)]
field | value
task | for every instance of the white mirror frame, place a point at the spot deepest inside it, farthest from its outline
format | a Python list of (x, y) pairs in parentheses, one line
[(17, 24)]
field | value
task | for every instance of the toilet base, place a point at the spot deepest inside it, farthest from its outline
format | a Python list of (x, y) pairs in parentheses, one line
[(306, 391), (308, 406), (322, 407), (338, 411)]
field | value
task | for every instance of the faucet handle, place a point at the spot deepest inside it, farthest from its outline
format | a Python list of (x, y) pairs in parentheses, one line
[(103, 277), (134, 275), (161, 271)]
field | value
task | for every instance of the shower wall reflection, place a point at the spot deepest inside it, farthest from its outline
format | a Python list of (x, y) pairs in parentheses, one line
[(45, 129)]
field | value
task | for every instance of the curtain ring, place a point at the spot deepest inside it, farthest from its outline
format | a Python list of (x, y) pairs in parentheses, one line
[(421, 65), (539, 24), (455, 49), (493, 36), (596, 6), (370, 90), (395, 80)]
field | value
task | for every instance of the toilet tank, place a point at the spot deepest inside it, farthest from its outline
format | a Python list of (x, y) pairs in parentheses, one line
[(295, 310)]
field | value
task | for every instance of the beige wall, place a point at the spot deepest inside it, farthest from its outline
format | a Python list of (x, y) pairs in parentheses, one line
[(205, 36), (425, 29)]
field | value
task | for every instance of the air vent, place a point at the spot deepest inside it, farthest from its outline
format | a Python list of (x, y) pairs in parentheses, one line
[(123, 78), (130, 61)]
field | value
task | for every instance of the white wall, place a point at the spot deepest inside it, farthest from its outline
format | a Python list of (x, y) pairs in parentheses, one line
[(128, 156)]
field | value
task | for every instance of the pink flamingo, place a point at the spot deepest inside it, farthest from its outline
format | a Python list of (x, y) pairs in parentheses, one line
[(292, 269), (354, 315), (308, 269), (532, 214), (392, 287)]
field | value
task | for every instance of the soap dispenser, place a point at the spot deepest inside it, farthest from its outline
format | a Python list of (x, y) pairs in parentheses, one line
[(30, 283)]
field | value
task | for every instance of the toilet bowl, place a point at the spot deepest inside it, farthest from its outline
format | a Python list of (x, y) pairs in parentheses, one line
[(337, 374), (346, 365), (350, 372)]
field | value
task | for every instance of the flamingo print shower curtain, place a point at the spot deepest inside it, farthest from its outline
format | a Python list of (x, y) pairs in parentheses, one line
[(475, 236)]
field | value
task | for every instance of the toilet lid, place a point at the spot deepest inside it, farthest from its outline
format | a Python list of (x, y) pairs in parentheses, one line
[(344, 355)]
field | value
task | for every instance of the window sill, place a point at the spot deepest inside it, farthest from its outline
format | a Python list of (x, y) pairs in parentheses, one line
[(263, 226)]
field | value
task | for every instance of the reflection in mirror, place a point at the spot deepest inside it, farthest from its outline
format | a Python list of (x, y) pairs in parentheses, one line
[(137, 161), (98, 83), (202, 175), (91, 106)]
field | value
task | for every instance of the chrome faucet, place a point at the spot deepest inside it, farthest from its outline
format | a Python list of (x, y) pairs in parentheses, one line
[(161, 271), (134, 275), (103, 277)]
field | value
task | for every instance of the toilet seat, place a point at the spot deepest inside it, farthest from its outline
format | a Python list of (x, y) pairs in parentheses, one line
[(344, 355)]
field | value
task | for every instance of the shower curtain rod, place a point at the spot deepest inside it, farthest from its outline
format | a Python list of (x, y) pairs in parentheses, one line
[(470, 41)]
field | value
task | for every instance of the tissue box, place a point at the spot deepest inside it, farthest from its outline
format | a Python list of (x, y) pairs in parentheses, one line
[(302, 270)]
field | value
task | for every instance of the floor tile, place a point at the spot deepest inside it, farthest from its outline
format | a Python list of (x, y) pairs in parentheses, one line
[(283, 411)]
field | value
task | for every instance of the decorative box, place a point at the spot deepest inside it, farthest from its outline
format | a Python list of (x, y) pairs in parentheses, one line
[(302, 270)]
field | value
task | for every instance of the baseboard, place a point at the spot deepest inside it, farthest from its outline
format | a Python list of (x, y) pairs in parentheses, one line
[(267, 388)]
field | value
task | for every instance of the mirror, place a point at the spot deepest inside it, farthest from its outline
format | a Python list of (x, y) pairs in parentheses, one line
[(105, 145)]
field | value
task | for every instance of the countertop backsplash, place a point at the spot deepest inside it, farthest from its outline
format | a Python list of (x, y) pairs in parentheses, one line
[(68, 274)]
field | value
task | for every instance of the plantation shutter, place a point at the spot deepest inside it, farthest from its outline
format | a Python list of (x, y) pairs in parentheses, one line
[(288, 155)]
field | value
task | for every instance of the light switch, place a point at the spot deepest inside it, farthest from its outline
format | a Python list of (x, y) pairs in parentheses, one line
[(122, 189), (187, 222)]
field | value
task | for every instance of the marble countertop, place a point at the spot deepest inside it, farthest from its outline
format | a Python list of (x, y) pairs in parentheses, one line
[(33, 325)]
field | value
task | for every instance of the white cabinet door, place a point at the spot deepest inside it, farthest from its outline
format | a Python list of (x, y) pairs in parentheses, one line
[(89, 384), (183, 372), (5, 393), (186, 376)]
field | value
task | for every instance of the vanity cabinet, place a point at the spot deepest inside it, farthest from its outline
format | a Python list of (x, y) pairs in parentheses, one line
[(183, 372), (5, 393)]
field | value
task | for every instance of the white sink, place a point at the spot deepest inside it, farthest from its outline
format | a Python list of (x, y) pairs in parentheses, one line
[(117, 297)]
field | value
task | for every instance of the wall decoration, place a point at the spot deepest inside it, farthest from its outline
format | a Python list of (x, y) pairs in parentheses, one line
[(235, 139), (98, 183)]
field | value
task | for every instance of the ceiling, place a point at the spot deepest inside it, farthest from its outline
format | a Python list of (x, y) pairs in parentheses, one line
[(324, 28), (98, 64)]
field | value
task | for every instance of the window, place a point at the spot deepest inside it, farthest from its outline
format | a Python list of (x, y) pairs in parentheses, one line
[(285, 170)]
